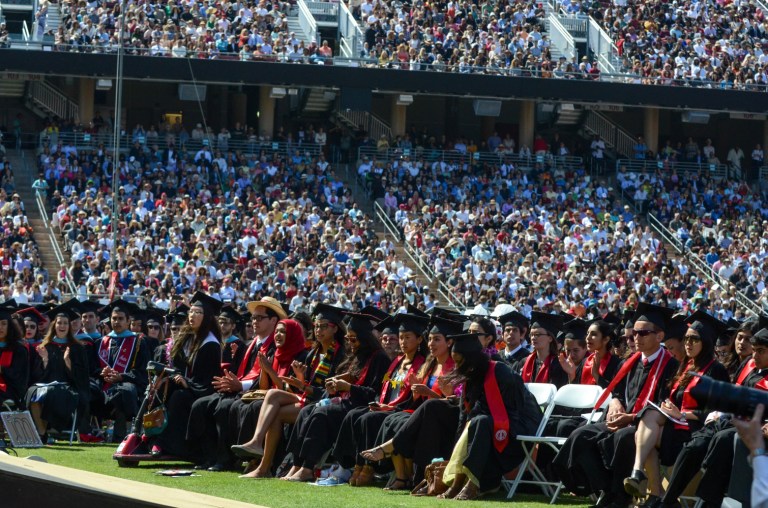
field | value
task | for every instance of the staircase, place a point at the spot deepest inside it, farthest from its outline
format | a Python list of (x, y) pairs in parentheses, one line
[(295, 27), (569, 115), (614, 136), (46, 100), (53, 18), (319, 101), (44, 236), (10, 88)]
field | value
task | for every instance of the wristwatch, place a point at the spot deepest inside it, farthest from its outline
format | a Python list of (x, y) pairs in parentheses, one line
[(758, 452)]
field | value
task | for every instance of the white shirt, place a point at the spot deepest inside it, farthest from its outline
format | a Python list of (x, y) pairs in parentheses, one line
[(760, 482)]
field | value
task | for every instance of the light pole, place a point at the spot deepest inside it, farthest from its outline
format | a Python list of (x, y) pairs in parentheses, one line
[(117, 136)]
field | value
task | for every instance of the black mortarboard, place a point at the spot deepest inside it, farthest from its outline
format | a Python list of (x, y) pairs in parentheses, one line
[(612, 318), (328, 312), (445, 326), (88, 306), (153, 314), (655, 314), (210, 304), (465, 343), (387, 326), (676, 327), (229, 312), (8, 308), (760, 338), (733, 325), (552, 323), (443, 312), (411, 323), (124, 306), (706, 325), (376, 313), (414, 311), (286, 308), (33, 314), (514, 318), (66, 309), (574, 329), (360, 324)]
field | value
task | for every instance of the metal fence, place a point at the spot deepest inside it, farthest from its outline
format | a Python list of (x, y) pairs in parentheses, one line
[(683, 169), (523, 162), (562, 39)]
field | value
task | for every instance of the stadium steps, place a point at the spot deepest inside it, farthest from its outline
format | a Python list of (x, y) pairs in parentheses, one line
[(319, 101), (23, 176), (53, 19), (10, 88), (294, 26)]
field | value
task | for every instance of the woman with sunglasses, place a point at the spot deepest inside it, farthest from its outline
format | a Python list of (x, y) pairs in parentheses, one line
[(318, 425), (664, 429), (281, 406), (485, 329)]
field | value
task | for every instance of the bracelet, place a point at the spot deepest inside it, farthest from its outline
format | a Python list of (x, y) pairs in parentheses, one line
[(758, 452)]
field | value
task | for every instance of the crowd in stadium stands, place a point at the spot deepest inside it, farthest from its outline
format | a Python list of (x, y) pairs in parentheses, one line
[(707, 43)]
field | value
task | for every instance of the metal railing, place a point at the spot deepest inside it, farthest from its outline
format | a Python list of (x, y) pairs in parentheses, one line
[(416, 258), (763, 173), (52, 101), (521, 162), (602, 46), (351, 35), (86, 141), (562, 39), (25, 31), (307, 22), (576, 24), (326, 12), (700, 265), (373, 125), (683, 169), (612, 134)]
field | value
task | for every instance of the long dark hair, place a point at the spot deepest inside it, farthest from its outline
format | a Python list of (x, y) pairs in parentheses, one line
[(15, 330), (471, 372), (188, 335), (684, 372), (353, 364), (607, 330)]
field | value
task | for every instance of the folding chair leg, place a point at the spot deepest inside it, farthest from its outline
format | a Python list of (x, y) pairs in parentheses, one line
[(72, 434)]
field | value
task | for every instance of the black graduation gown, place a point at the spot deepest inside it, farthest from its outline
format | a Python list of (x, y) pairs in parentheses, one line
[(151, 342), (199, 375), (515, 359), (362, 425), (483, 460), (689, 460), (557, 376), (232, 353), (16, 375), (121, 398), (317, 426), (594, 458), (58, 402)]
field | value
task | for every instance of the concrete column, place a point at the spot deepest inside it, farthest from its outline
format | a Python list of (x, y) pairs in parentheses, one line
[(651, 128), (266, 111), (527, 123), (397, 117), (85, 100), (238, 103)]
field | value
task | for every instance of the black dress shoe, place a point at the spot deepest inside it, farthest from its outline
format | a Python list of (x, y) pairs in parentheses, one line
[(217, 468), (636, 485), (202, 467)]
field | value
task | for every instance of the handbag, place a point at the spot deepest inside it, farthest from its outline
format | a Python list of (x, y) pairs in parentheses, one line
[(155, 420), (252, 395), (432, 484)]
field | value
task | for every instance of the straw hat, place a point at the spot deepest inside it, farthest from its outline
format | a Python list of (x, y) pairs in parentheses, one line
[(269, 303)]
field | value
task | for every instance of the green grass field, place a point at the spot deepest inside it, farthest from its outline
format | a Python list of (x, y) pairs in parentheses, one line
[(272, 493)]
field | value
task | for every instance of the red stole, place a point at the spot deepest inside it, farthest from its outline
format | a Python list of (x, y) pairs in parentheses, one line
[(689, 403), (256, 368), (6, 357), (530, 363), (364, 372), (498, 411), (448, 366), (746, 371), (124, 354), (405, 391), (586, 370), (650, 383)]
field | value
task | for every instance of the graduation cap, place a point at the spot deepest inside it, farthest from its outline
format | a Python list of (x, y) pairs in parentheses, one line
[(128, 308), (733, 325), (655, 314), (360, 324), (707, 326), (328, 312), (464, 343), (208, 303), (676, 327), (414, 311), (443, 312), (286, 308), (154, 314), (387, 326), (411, 323), (760, 338), (445, 326), (8, 308), (575, 329), (374, 312), (32, 314), (514, 318), (552, 323), (88, 306), (231, 313), (66, 309)]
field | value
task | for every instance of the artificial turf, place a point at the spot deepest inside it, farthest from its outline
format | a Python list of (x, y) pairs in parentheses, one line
[(271, 493)]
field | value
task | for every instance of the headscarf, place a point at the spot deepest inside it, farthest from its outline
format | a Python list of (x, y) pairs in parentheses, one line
[(294, 344)]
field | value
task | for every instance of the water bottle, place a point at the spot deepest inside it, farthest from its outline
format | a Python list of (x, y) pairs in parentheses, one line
[(328, 402), (110, 432)]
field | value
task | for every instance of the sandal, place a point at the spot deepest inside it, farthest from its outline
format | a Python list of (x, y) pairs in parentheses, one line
[(365, 477), (468, 493), (456, 487), (399, 484), (421, 489), (374, 452)]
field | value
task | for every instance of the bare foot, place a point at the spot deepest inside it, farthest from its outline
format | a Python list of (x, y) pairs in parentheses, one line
[(257, 473)]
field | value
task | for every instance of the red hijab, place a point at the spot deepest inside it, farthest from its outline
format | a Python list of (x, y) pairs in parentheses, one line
[(293, 345)]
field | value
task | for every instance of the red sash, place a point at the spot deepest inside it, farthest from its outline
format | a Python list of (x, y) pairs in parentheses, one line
[(762, 384), (650, 382), (689, 403), (498, 411), (746, 371), (405, 391), (256, 368), (530, 363), (586, 370), (6, 357), (448, 366), (364, 372), (124, 355)]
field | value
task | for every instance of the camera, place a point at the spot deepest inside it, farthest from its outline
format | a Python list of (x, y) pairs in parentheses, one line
[(727, 398), (157, 368)]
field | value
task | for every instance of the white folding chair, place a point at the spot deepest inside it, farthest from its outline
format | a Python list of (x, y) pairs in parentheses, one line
[(571, 397)]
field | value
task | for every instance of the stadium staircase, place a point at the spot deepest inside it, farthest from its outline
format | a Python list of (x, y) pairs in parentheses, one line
[(51, 253)]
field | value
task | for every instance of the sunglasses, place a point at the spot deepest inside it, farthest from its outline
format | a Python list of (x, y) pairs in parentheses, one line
[(153, 327), (642, 333)]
